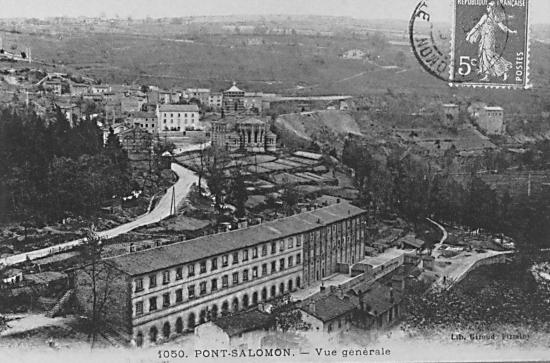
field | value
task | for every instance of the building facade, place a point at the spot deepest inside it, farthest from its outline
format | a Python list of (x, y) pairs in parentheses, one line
[(201, 94), (165, 291), (178, 117), (491, 120), (251, 135), (215, 101), (233, 100), (145, 120)]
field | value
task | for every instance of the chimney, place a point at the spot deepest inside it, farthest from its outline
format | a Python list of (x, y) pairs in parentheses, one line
[(340, 293)]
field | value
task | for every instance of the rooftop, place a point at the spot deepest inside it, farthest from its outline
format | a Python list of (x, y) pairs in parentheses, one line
[(244, 322), (196, 249), (251, 121), (378, 298), (327, 308), (382, 258), (179, 108)]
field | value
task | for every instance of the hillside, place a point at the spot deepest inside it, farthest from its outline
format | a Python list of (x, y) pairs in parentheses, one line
[(327, 128)]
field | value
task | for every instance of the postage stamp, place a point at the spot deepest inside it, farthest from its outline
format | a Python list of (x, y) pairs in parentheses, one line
[(490, 43)]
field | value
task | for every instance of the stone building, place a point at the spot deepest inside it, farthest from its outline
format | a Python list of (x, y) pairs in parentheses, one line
[(167, 290), (251, 134), (233, 100), (491, 120)]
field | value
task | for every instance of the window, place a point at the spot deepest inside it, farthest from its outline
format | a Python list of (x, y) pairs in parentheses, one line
[(153, 304), (139, 308), (281, 264), (245, 255), (264, 269), (273, 247), (235, 278), (214, 263), (203, 267), (191, 291), (290, 261), (225, 260), (214, 285), (235, 258), (298, 259), (165, 277), (255, 272), (179, 295), (225, 281), (139, 285), (152, 281), (264, 250), (203, 287), (290, 242), (282, 246), (299, 241), (245, 275), (165, 300), (255, 252), (273, 267), (179, 273), (190, 270)]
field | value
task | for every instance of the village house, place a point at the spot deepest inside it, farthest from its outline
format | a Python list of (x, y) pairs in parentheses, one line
[(491, 120), (78, 89), (146, 120), (201, 94), (328, 315), (215, 101), (167, 290), (178, 117), (242, 330), (100, 88), (54, 86)]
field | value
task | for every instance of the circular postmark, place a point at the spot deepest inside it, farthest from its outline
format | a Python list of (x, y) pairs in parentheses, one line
[(437, 53)]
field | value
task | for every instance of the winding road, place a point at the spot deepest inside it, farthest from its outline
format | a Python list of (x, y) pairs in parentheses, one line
[(165, 207)]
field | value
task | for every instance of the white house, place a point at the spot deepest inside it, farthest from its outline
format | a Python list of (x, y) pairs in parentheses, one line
[(178, 117)]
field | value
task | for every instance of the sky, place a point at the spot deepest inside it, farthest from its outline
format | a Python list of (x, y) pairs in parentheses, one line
[(367, 9)]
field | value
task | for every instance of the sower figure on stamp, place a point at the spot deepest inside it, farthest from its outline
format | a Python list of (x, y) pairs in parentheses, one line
[(491, 64)]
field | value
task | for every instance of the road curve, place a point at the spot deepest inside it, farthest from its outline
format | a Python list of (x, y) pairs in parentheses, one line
[(163, 209)]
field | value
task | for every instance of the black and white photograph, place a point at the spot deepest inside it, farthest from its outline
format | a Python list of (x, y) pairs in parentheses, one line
[(274, 181)]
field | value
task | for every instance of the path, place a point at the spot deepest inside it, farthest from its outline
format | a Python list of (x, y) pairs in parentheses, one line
[(163, 209), (443, 239)]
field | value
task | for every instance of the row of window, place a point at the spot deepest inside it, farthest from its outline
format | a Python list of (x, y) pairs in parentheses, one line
[(179, 115), (237, 257), (185, 121), (236, 278)]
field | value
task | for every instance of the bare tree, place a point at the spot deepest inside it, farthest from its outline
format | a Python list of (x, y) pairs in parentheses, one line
[(96, 278), (200, 162), (216, 163)]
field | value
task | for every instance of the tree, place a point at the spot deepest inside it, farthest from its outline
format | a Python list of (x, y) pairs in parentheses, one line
[(288, 318), (289, 196), (238, 192), (216, 164), (200, 162), (98, 277)]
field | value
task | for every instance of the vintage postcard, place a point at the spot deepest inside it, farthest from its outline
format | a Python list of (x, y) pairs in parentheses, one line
[(274, 180)]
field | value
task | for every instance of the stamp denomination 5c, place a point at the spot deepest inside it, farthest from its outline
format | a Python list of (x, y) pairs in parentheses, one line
[(490, 45)]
